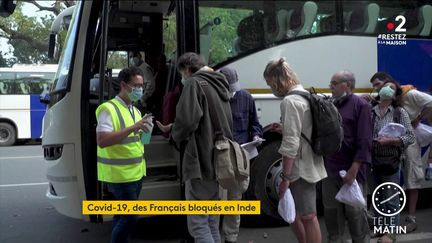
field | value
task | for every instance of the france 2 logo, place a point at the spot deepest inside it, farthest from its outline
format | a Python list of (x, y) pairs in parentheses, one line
[(396, 38), (399, 28)]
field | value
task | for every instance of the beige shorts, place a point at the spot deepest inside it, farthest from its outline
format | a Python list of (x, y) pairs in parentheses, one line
[(304, 194), (413, 170)]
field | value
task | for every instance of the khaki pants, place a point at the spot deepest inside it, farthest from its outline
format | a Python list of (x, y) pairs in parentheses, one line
[(231, 223), (413, 170), (336, 212)]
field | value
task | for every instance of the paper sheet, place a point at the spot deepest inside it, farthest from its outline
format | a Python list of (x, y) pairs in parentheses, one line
[(251, 149)]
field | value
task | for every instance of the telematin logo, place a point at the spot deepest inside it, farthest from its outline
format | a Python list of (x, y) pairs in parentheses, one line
[(398, 38), (388, 200)]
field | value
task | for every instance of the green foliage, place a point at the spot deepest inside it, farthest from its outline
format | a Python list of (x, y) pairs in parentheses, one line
[(169, 35), (117, 60), (223, 35), (3, 61), (28, 35)]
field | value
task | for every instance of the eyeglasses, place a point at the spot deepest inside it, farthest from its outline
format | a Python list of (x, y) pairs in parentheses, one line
[(137, 86), (334, 82)]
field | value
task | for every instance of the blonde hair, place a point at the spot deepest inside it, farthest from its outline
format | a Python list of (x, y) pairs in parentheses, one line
[(280, 73)]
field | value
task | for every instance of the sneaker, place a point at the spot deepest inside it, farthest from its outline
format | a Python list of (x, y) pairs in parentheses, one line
[(387, 238), (411, 223)]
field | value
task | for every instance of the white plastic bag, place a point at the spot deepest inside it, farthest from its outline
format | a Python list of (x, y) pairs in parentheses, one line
[(286, 207), (423, 134), (350, 194), (392, 130)]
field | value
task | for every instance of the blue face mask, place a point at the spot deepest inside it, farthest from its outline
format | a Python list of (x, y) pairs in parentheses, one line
[(134, 61), (386, 93), (184, 81), (135, 94)]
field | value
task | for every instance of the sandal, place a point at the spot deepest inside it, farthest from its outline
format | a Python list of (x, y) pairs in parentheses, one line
[(387, 238)]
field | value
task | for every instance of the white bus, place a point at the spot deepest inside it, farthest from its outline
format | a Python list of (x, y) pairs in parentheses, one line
[(317, 38), (21, 111)]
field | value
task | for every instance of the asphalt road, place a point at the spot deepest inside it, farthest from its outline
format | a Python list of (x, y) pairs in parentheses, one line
[(26, 215)]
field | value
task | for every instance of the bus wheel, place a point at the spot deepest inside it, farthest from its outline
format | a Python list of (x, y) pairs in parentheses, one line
[(265, 179), (7, 134)]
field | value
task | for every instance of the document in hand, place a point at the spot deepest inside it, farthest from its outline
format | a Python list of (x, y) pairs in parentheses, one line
[(251, 149), (392, 130), (423, 134)]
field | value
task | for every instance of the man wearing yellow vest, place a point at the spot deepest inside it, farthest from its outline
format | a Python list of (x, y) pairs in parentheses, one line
[(120, 153)]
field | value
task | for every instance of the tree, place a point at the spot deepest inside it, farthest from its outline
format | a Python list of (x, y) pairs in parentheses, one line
[(3, 61), (29, 35)]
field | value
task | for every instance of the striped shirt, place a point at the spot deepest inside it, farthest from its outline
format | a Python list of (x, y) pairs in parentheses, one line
[(379, 122)]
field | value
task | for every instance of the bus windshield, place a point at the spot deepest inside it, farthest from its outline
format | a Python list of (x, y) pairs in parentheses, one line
[(62, 75)]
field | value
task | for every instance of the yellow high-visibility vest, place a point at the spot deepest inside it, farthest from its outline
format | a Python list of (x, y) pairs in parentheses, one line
[(123, 162)]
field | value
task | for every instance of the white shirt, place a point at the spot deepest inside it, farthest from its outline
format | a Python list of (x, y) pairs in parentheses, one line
[(149, 80), (104, 119), (296, 119), (415, 101)]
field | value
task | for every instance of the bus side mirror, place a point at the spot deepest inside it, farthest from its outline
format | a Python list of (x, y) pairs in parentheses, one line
[(51, 46), (7, 7), (45, 98)]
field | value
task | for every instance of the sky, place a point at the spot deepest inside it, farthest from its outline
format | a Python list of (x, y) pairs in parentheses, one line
[(28, 10)]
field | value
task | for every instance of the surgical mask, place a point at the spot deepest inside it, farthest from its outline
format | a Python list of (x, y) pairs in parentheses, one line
[(135, 94), (134, 61), (184, 81), (386, 93), (340, 96)]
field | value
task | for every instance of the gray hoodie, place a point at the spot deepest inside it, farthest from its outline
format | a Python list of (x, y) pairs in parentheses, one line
[(193, 125)]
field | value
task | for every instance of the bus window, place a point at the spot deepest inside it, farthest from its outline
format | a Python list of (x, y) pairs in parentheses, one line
[(6, 82), (117, 59), (325, 21), (360, 17), (246, 26), (170, 36), (372, 18)]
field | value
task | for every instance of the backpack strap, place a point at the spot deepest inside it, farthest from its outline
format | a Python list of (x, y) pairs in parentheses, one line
[(307, 97)]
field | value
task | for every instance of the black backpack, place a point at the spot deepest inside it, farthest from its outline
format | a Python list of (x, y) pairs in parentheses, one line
[(327, 131)]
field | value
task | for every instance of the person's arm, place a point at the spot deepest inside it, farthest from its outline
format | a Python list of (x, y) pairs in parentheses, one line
[(105, 139), (405, 140), (292, 120), (363, 142), (254, 126), (188, 114), (422, 100), (287, 164)]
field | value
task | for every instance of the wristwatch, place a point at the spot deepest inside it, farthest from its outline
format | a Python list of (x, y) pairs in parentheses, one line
[(284, 177)]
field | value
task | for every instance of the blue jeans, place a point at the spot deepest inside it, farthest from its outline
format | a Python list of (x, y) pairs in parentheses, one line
[(124, 225), (392, 204)]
